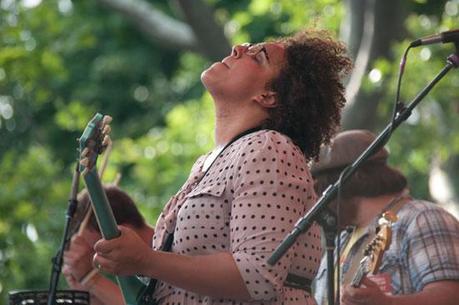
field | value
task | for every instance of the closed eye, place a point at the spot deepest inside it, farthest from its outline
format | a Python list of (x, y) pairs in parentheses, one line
[(265, 52), (260, 57), (258, 52)]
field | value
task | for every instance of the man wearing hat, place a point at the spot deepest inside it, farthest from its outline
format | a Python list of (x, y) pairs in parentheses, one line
[(421, 266)]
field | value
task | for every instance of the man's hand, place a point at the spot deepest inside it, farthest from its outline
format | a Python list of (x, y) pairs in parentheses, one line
[(368, 294), (78, 258), (71, 280)]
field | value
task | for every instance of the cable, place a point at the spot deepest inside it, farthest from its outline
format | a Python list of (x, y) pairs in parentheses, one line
[(397, 103)]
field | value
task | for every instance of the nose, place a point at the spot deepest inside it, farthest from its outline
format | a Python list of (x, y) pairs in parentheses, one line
[(238, 50)]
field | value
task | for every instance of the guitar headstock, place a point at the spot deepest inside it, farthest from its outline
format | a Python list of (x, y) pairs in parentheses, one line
[(380, 243), (376, 248), (94, 141), (374, 251)]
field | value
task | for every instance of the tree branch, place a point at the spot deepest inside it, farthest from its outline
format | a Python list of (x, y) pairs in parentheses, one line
[(212, 40), (352, 25), (158, 27), (443, 182), (363, 57), (383, 23)]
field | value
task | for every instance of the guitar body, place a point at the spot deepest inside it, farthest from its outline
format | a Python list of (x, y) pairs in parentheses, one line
[(131, 287)]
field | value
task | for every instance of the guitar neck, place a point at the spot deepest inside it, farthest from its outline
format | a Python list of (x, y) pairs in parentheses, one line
[(373, 253), (102, 209), (131, 287), (358, 277)]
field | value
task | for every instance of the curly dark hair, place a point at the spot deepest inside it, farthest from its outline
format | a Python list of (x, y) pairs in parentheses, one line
[(309, 90)]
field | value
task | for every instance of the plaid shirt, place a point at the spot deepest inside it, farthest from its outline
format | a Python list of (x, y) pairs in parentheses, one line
[(424, 249)]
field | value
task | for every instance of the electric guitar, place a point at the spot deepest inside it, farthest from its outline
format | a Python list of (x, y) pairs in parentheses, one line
[(374, 251), (92, 143)]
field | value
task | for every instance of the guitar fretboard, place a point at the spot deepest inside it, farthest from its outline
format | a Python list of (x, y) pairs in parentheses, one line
[(358, 277)]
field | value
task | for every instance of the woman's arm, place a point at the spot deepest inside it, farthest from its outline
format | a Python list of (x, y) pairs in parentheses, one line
[(214, 275)]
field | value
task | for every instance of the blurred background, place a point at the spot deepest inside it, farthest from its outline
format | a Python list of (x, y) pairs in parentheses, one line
[(140, 61)]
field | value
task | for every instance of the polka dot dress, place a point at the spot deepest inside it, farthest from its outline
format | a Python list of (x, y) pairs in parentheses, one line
[(245, 204)]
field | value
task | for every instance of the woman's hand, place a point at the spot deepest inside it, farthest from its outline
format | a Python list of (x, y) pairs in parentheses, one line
[(127, 254)]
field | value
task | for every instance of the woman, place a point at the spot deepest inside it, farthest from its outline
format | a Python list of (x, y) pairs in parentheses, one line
[(275, 104)]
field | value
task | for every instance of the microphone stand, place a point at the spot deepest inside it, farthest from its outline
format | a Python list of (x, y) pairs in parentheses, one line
[(328, 222), (318, 211), (58, 259)]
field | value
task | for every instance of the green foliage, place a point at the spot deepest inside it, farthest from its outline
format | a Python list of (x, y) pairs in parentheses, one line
[(33, 205), (78, 61), (61, 61), (261, 19), (155, 165), (428, 134)]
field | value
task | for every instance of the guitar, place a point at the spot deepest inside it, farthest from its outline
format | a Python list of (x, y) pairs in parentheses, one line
[(92, 143), (375, 249)]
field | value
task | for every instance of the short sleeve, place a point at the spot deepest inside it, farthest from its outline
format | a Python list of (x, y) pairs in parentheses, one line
[(432, 248), (272, 189)]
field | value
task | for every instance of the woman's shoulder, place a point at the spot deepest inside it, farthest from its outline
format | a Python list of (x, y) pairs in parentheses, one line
[(266, 139)]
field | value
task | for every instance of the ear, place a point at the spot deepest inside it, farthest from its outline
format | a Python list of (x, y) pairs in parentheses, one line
[(267, 99)]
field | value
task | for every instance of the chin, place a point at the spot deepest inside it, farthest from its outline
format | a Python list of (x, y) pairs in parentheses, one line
[(207, 79), (204, 79)]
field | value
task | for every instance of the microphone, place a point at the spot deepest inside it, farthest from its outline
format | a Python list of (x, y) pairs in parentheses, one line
[(444, 37)]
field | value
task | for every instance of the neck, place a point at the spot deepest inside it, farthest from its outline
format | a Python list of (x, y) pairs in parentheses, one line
[(231, 120), (146, 233)]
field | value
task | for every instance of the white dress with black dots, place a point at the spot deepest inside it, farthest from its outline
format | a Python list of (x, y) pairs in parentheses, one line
[(247, 202)]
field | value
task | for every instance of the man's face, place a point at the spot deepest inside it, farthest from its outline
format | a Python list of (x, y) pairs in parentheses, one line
[(246, 71), (347, 211), (347, 206)]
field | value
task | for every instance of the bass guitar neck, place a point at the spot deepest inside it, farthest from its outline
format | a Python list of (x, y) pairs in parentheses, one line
[(92, 143)]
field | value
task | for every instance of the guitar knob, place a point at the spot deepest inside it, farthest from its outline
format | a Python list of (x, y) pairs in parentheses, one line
[(106, 129), (106, 140), (84, 162), (107, 119), (85, 152)]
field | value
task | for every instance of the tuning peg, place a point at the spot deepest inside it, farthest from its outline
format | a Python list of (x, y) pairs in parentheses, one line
[(85, 162), (106, 141), (390, 216), (107, 119), (84, 172), (85, 152), (106, 129)]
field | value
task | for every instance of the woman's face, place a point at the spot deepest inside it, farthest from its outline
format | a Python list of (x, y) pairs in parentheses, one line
[(245, 72)]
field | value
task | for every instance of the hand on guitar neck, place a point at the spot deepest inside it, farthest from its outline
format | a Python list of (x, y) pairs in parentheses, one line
[(93, 142), (373, 254), (363, 290)]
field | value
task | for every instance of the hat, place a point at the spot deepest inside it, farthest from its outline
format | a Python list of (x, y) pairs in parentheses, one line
[(345, 148)]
